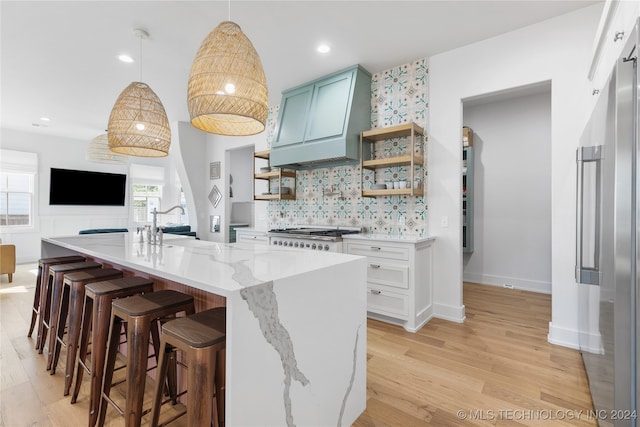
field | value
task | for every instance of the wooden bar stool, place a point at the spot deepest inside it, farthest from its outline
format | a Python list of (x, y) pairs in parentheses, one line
[(54, 283), (95, 324), (201, 338), (71, 306), (42, 296), (139, 312)]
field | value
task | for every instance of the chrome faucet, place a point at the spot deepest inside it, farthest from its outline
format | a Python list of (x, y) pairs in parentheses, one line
[(154, 229)]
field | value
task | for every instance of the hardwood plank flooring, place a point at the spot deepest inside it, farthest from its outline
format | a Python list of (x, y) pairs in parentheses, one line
[(496, 367)]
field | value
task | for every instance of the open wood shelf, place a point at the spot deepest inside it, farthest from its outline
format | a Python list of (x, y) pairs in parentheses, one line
[(272, 175), (274, 197), (393, 192), (412, 160), (393, 161), (262, 154), (275, 174), (380, 134)]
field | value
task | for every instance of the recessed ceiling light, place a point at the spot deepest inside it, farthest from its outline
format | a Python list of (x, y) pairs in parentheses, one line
[(125, 58), (45, 119), (324, 48)]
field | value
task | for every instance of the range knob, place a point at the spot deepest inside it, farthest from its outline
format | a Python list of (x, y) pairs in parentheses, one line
[(279, 242), (290, 243), (326, 247), (313, 246), (319, 246), (295, 244)]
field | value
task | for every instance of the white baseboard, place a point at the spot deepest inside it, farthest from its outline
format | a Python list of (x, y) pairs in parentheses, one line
[(522, 284), (449, 312), (562, 336)]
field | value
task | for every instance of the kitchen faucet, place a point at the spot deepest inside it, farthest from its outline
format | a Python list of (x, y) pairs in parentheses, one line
[(154, 229)]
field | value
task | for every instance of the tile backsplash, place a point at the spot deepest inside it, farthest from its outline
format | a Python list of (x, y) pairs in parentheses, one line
[(332, 196)]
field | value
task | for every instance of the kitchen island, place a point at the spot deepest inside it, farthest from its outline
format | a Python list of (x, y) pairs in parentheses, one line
[(296, 320)]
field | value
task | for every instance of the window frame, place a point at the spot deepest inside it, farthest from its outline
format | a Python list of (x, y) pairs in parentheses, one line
[(6, 228), (147, 195)]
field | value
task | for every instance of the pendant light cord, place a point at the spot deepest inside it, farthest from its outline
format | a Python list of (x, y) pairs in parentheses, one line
[(140, 58), (229, 10)]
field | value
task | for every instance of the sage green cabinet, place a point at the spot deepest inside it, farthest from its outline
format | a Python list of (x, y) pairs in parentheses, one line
[(294, 110), (321, 121), (328, 109)]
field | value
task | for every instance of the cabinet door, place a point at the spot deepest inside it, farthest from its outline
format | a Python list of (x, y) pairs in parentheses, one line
[(383, 273), (294, 109), (375, 249), (329, 106), (388, 303)]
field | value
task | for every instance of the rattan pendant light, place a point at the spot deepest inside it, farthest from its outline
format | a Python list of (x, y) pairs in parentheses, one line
[(227, 92), (138, 124), (98, 152)]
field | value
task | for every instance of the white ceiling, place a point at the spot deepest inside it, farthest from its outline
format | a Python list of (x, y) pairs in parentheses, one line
[(58, 58)]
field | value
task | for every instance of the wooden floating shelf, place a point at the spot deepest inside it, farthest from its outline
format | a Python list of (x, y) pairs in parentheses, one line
[(394, 192), (393, 161), (380, 134), (275, 174), (262, 154), (275, 197)]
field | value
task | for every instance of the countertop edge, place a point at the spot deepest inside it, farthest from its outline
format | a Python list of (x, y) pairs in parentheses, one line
[(393, 239)]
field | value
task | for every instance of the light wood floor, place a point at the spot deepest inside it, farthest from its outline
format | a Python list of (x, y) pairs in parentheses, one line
[(497, 368)]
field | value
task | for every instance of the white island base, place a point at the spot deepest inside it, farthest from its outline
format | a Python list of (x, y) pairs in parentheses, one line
[(296, 321)]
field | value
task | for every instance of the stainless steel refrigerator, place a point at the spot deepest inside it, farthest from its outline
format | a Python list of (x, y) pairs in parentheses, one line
[(608, 244)]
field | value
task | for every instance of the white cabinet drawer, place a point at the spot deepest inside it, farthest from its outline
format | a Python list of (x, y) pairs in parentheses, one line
[(389, 303), (383, 273), (376, 250), (253, 238)]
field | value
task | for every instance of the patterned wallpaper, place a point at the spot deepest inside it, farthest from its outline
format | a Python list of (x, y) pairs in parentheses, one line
[(331, 196)]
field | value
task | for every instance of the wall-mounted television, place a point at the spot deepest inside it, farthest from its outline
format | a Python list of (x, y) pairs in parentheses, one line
[(86, 188)]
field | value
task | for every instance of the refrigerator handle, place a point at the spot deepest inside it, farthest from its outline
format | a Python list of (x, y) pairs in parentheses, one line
[(588, 275)]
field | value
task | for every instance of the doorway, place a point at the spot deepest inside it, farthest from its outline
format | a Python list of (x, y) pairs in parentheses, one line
[(512, 188), (239, 206)]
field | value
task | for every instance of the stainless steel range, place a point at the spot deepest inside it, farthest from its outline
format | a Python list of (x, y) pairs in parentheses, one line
[(311, 238)]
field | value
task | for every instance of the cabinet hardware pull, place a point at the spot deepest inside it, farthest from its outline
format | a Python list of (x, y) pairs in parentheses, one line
[(588, 274), (374, 265), (375, 248), (376, 292)]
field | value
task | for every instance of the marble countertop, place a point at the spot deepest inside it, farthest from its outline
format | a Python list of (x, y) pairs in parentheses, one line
[(219, 268), (389, 238)]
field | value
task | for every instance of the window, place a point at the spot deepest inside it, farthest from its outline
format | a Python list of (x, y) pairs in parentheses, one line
[(18, 170), (146, 190), (16, 199), (184, 218), (145, 198)]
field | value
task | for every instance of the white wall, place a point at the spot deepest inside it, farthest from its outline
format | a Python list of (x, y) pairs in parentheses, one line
[(557, 50), (59, 152), (512, 192), (63, 153), (188, 148), (218, 149)]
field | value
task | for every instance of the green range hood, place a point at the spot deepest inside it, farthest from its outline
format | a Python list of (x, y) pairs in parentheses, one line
[(319, 123)]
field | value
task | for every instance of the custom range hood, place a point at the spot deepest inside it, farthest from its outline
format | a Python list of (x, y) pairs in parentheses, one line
[(319, 123)]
